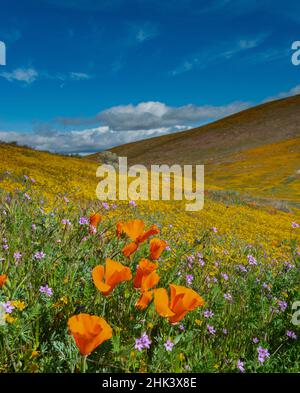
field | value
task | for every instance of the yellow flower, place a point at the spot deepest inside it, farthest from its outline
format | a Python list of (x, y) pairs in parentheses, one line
[(18, 304), (216, 366), (64, 299), (181, 357), (10, 319), (150, 325), (34, 354), (198, 322)]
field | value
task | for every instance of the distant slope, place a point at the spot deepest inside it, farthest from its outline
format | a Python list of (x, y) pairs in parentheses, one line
[(267, 123), (271, 171)]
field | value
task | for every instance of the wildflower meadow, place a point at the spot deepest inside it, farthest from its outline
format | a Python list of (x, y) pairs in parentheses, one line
[(87, 286)]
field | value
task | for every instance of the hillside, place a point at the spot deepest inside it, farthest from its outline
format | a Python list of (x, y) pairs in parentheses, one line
[(256, 151), (267, 123)]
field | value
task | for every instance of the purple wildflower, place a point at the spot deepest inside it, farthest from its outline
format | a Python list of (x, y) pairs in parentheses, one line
[(65, 221), (251, 260), (39, 255), (208, 314), (240, 366), (169, 345), (142, 342), (17, 255), (288, 266), (228, 297), (242, 268), (83, 221), (295, 225), (255, 340), (282, 305), (263, 354), (46, 290), (291, 334), (8, 307), (132, 203), (225, 276), (211, 329), (189, 279)]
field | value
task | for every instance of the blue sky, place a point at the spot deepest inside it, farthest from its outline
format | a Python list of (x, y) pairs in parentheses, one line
[(85, 75)]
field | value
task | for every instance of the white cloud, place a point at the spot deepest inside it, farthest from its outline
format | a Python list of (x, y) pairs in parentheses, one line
[(79, 76), (218, 53), (292, 92), (149, 115), (83, 141), (143, 32), (30, 75), (26, 75), (119, 125)]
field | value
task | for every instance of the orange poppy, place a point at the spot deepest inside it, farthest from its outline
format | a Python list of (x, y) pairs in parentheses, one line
[(114, 273), (119, 228), (135, 229), (146, 276), (95, 219), (157, 246), (145, 279), (144, 300), (3, 278), (182, 300), (89, 331)]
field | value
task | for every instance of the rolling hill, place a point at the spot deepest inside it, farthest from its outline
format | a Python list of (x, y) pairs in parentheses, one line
[(256, 151), (267, 123)]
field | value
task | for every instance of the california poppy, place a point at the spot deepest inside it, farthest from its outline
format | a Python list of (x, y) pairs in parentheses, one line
[(146, 276), (135, 229), (182, 300), (3, 278), (89, 331), (119, 228), (107, 278), (145, 279), (95, 219), (157, 246)]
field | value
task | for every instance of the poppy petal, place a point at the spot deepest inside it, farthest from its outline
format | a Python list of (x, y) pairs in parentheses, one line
[(153, 230), (161, 302), (144, 300), (89, 332), (98, 275), (157, 246), (95, 219), (133, 229), (129, 249), (149, 281), (3, 278)]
